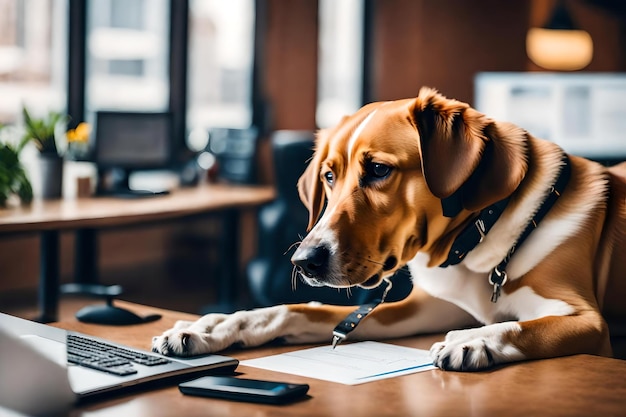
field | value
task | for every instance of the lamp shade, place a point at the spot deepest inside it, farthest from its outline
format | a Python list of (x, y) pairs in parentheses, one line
[(560, 44), (559, 49)]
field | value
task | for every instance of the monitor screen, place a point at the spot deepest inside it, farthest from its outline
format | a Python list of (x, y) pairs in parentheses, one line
[(584, 113), (133, 140)]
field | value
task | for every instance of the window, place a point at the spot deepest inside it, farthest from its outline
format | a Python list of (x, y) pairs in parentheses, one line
[(220, 62), (340, 68), (33, 57), (127, 56)]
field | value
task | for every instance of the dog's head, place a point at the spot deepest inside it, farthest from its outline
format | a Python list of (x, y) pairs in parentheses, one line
[(400, 177)]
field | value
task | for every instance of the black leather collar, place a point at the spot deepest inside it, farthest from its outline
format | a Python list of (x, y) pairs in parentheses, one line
[(474, 233)]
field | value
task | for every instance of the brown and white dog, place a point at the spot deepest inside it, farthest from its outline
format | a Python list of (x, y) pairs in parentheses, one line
[(396, 184)]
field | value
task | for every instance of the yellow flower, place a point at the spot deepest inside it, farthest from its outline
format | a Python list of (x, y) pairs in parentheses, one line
[(80, 134)]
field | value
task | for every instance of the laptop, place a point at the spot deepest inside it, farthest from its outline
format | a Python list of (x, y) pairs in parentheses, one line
[(38, 351)]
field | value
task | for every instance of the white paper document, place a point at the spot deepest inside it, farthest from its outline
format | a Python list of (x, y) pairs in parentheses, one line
[(350, 364)]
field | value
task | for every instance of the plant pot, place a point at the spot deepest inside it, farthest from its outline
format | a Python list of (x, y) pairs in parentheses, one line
[(51, 174)]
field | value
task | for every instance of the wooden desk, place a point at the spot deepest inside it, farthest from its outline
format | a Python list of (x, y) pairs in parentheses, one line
[(87, 215), (580, 385)]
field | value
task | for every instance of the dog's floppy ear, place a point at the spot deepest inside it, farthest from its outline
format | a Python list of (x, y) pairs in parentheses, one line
[(468, 160), (310, 187)]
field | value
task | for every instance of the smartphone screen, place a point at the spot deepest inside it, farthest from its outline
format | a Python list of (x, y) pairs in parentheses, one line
[(241, 389)]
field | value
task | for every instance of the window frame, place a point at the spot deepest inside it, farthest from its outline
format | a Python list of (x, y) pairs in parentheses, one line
[(177, 65)]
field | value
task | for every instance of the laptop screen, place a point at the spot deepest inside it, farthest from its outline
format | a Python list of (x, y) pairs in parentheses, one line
[(33, 368)]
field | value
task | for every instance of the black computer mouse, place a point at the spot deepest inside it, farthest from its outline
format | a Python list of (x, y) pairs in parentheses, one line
[(111, 315)]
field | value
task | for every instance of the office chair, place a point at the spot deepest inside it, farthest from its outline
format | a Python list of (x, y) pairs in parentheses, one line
[(235, 150), (283, 223)]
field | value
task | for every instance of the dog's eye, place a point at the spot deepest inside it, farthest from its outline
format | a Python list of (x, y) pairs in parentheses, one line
[(329, 177), (375, 170)]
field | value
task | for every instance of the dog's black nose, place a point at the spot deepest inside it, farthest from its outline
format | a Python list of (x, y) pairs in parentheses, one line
[(311, 262)]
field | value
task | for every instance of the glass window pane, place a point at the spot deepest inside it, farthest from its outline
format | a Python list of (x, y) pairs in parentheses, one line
[(33, 57), (127, 55), (221, 52), (340, 71)]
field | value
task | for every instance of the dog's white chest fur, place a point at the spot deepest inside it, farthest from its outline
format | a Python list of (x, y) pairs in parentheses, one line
[(471, 291)]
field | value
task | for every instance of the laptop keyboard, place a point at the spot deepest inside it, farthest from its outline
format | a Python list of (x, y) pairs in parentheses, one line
[(106, 357)]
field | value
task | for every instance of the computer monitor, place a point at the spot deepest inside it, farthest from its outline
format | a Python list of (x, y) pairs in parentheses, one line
[(584, 113), (127, 142)]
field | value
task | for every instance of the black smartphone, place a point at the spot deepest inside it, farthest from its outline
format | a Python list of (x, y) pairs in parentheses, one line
[(240, 389)]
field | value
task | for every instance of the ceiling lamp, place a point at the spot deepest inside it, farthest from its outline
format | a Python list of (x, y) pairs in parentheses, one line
[(559, 45)]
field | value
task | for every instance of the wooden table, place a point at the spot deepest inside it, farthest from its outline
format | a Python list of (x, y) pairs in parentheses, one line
[(580, 385), (87, 215)]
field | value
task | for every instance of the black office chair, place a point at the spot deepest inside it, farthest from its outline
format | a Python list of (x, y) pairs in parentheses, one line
[(235, 150), (282, 223)]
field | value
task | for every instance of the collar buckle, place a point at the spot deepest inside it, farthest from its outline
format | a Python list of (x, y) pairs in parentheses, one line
[(482, 230)]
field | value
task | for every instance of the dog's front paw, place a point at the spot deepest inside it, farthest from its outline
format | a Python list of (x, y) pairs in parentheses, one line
[(176, 342), (214, 332), (191, 338), (472, 355), (476, 349)]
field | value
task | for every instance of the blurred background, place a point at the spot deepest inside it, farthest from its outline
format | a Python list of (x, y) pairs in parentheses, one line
[(554, 67)]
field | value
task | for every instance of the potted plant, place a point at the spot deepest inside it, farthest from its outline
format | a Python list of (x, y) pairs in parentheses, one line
[(42, 132), (13, 178)]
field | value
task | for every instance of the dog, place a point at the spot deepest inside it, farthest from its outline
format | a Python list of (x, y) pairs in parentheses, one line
[(515, 248)]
